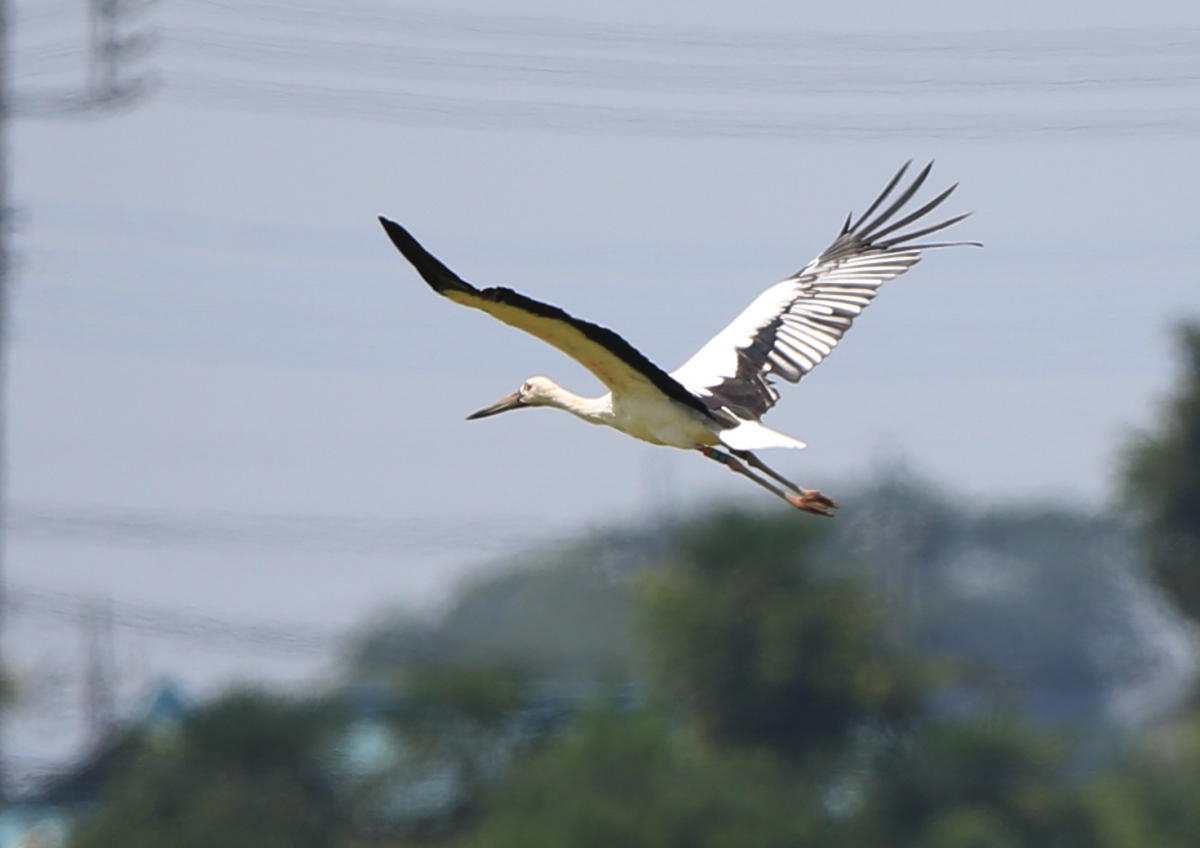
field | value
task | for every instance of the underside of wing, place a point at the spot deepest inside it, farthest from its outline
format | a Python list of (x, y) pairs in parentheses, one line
[(792, 326), (615, 362)]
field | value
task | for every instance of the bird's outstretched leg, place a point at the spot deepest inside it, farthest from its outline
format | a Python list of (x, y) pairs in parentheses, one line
[(755, 462), (805, 499), (809, 500)]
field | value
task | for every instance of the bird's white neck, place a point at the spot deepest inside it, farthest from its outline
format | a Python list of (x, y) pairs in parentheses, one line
[(593, 410)]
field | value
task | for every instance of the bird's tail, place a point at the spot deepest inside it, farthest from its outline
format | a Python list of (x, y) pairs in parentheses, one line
[(750, 435)]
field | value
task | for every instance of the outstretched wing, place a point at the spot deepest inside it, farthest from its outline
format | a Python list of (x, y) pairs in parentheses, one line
[(613, 360), (795, 324)]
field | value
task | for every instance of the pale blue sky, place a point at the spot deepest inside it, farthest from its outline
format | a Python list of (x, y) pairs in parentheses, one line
[(208, 318), (210, 327)]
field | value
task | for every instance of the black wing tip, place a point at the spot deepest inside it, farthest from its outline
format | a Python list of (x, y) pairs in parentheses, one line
[(440, 278), (871, 233), (899, 175), (865, 228), (392, 228), (400, 237)]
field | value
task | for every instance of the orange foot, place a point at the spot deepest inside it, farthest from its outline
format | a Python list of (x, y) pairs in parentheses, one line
[(810, 500)]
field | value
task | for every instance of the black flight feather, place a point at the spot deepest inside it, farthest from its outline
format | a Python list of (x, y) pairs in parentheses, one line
[(441, 279)]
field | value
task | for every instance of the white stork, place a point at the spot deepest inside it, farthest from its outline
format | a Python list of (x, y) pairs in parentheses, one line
[(717, 397)]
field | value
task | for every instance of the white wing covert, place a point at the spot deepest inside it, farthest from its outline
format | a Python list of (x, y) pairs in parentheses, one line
[(792, 326)]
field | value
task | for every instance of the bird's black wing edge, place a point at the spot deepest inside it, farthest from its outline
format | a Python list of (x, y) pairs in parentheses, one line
[(441, 279)]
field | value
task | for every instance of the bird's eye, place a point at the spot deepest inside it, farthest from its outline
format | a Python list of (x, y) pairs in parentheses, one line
[(526, 388)]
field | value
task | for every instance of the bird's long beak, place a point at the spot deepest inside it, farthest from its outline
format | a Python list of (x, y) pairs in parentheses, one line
[(513, 401)]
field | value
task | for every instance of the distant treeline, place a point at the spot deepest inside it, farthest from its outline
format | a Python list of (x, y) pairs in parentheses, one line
[(918, 674)]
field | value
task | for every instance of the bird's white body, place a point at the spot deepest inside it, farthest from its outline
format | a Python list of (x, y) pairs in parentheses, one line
[(651, 417), (648, 416), (717, 397)]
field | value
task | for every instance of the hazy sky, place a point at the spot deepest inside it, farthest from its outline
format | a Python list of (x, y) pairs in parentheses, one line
[(210, 326)]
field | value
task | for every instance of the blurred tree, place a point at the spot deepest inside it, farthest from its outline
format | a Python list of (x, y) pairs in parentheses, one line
[(561, 614), (243, 771), (972, 784), (1146, 802), (764, 652), (1162, 482), (481, 694), (1025, 603), (463, 714), (634, 781)]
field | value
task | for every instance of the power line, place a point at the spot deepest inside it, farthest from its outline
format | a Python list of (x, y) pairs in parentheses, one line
[(231, 531), (420, 66), (178, 623), (424, 22), (804, 74), (27, 17), (465, 113), (73, 691), (423, 67)]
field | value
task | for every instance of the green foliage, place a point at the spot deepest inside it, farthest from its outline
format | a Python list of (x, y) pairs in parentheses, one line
[(1149, 799), (482, 694), (159, 805), (967, 827), (794, 712), (1162, 483), (244, 771), (634, 781), (762, 652), (461, 714), (255, 731), (973, 784)]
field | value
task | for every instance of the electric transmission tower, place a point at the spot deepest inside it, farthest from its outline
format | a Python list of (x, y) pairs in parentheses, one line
[(100, 668), (112, 44)]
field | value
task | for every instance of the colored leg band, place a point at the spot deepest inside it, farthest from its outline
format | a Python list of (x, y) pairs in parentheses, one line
[(713, 453)]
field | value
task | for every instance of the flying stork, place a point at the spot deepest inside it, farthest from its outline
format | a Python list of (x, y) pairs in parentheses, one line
[(714, 401)]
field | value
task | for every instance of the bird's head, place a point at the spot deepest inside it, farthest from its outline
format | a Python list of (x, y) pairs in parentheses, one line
[(536, 391)]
